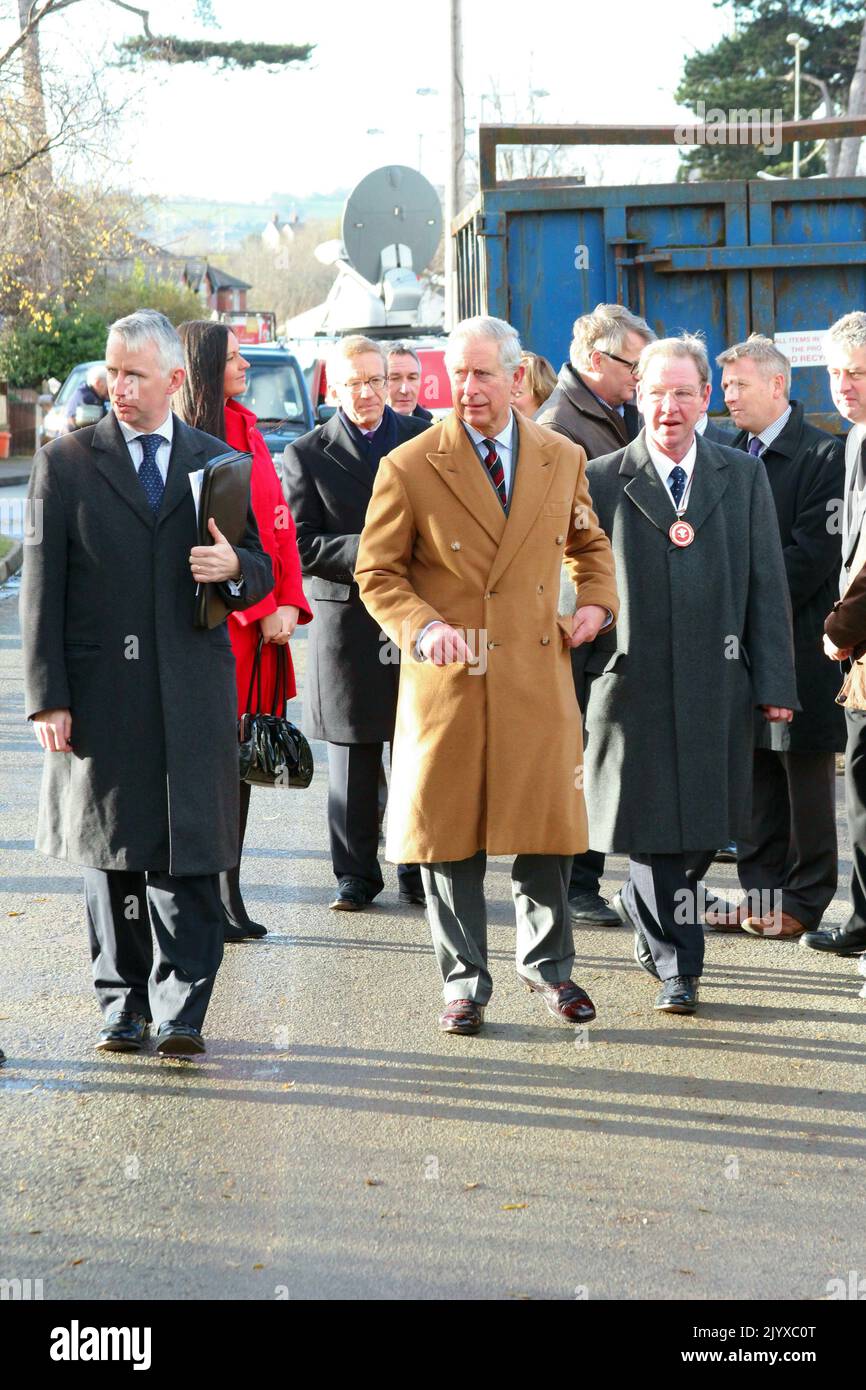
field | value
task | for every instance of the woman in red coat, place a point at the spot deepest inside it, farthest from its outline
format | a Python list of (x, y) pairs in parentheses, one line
[(215, 375)]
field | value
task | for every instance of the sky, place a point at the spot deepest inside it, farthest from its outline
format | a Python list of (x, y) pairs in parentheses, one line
[(246, 135)]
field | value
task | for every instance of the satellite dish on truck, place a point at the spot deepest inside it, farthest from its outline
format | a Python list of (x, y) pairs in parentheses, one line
[(392, 220), (392, 223)]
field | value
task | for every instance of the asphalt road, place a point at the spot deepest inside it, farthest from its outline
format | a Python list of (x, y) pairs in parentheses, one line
[(333, 1144)]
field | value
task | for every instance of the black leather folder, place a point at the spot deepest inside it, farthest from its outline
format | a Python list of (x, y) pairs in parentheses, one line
[(225, 496)]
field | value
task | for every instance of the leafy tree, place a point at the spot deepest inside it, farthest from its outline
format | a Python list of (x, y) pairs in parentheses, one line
[(752, 70)]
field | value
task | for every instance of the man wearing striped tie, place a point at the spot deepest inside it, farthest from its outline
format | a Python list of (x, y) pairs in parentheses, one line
[(703, 641), (466, 533)]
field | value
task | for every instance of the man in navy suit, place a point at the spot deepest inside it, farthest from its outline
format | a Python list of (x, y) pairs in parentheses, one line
[(350, 688)]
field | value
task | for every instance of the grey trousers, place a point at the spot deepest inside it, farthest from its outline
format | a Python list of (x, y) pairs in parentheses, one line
[(156, 942), (457, 912)]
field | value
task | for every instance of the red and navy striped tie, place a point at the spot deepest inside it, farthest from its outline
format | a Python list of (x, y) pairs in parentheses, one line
[(495, 469)]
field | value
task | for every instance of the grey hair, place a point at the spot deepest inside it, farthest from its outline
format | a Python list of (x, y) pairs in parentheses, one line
[(497, 330), (98, 372), (403, 350), (352, 346), (764, 353), (150, 326), (847, 332), (687, 345), (604, 330)]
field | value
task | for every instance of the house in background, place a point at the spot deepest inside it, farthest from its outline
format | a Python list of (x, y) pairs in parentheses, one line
[(218, 291)]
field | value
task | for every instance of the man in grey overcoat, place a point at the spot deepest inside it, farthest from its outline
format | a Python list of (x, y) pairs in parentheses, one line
[(134, 706), (703, 639)]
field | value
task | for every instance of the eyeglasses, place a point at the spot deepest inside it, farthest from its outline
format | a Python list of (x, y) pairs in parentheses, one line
[(683, 395), (356, 386), (632, 366)]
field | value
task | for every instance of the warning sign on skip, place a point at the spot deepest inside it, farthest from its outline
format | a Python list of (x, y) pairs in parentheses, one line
[(804, 349)]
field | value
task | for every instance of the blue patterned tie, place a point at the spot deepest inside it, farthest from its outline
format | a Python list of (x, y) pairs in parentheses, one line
[(149, 474), (677, 484), (755, 446)]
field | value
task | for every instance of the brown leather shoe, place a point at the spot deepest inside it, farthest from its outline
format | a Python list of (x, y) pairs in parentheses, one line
[(727, 918), (461, 1016), (567, 1002), (774, 924)]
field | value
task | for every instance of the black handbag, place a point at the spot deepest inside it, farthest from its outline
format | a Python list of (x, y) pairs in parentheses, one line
[(273, 752)]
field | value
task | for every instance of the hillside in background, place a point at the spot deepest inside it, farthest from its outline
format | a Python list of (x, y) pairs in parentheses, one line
[(195, 226)]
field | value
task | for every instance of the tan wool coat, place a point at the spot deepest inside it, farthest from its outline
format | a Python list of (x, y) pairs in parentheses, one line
[(486, 756)]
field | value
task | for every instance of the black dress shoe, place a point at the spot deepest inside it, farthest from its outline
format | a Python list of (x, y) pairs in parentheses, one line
[(592, 910), (412, 899), (122, 1032), (642, 953), (252, 931), (679, 995), (838, 941), (179, 1040), (352, 896), (727, 854)]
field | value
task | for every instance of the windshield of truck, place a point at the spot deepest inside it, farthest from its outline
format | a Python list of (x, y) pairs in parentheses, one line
[(273, 392)]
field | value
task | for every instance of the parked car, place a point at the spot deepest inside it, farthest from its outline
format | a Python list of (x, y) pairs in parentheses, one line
[(55, 418), (277, 393)]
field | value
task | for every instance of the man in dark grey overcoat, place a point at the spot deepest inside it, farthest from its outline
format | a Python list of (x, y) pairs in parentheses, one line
[(703, 638), (788, 864), (350, 687), (135, 707)]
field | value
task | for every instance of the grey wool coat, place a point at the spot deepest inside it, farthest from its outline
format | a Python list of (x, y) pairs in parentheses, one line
[(703, 637), (107, 602)]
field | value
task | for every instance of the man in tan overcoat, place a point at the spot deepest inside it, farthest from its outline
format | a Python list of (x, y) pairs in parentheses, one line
[(459, 562)]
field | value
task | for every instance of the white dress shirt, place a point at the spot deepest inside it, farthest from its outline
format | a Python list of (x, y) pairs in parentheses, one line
[(136, 452), (663, 466), (504, 442)]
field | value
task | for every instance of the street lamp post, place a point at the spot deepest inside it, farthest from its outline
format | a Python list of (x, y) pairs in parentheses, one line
[(799, 45)]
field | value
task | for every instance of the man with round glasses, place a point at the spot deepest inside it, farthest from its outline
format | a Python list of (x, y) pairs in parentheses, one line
[(350, 687)]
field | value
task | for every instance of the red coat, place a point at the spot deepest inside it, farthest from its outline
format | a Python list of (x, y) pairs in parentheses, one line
[(277, 532)]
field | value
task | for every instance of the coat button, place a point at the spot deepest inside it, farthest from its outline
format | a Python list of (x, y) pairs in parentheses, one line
[(560, 540), (455, 545), (490, 646), (545, 641), (540, 589), (490, 593)]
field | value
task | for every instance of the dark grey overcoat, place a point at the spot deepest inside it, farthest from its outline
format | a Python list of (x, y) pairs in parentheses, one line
[(703, 637), (350, 686), (107, 602), (806, 470)]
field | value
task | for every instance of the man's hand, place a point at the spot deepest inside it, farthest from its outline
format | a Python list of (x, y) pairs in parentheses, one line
[(278, 627), (214, 564), (586, 624), (836, 653), (444, 646), (775, 714), (53, 729)]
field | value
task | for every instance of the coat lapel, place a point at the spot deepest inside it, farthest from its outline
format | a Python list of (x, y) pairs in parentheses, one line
[(342, 449), (460, 469), (851, 528), (111, 457), (645, 488), (709, 483), (532, 482), (649, 493)]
